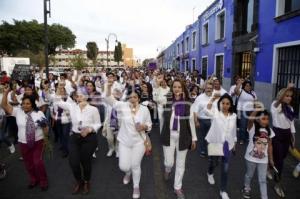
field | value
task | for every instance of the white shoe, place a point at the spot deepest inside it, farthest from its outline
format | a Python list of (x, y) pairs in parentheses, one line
[(12, 149), (136, 193), (296, 173), (97, 149), (224, 195), (94, 155), (126, 179), (110, 153), (210, 179)]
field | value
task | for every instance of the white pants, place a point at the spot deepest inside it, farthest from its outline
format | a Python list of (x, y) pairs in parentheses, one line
[(160, 111), (130, 159), (112, 141), (169, 153)]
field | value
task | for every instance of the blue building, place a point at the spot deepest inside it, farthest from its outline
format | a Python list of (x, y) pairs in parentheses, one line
[(266, 45), (255, 39)]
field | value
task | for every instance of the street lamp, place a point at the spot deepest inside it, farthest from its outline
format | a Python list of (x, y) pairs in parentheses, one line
[(107, 45), (47, 12)]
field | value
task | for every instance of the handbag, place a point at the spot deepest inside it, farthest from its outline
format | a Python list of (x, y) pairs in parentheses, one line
[(146, 139), (215, 149)]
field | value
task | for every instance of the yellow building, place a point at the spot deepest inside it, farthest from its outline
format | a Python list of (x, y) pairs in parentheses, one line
[(128, 59)]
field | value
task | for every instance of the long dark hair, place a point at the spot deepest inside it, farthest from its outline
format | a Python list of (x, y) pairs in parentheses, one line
[(226, 96), (32, 101), (184, 89), (244, 85), (258, 126)]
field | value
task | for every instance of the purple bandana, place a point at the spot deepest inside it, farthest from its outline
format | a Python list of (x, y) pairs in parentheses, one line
[(179, 111), (30, 131)]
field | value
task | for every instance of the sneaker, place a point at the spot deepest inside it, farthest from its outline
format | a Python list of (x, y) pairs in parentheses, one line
[(179, 193), (246, 193), (94, 155), (21, 158), (97, 149), (136, 193), (12, 149), (110, 153), (224, 195), (269, 175), (126, 179), (167, 175), (279, 191), (296, 173), (210, 179)]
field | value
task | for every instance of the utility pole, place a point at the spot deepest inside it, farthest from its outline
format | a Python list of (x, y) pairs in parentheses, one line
[(47, 11)]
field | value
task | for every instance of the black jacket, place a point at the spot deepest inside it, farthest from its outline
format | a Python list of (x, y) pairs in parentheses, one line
[(185, 135)]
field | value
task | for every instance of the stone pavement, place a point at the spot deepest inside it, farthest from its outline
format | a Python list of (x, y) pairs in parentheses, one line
[(107, 178)]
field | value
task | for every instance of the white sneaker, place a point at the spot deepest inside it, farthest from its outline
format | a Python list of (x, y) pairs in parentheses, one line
[(12, 149), (136, 193), (224, 195), (126, 179), (210, 179), (110, 153), (94, 155), (97, 149), (296, 173)]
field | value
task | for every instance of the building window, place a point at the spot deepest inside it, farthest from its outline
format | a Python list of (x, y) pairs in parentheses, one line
[(286, 6), (187, 65), (182, 47), (219, 69), (178, 49), (288, 71), (205, 34), (220, 25), (245, 17), (204, 67), (194, 40), (194, 64), (187, 44)]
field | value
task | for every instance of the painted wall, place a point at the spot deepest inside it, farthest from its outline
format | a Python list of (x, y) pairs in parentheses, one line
[(270, 33), (215, 47)]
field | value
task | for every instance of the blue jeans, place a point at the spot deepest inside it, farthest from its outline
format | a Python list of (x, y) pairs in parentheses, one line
[(243, 134), (213, 162), (201, 133)]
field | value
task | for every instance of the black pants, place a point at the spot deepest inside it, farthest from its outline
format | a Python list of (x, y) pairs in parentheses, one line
[(63, 131), (12, 128), (81, 151), (281, 143)]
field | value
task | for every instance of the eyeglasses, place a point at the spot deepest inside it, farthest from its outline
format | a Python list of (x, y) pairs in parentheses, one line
[(261, 142)]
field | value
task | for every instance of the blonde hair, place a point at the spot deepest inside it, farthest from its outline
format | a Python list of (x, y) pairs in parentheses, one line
[(283, 92)]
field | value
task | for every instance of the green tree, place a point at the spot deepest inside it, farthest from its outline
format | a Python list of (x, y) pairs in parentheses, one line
[(118, 54), (29, 35), (78, 62), (92, 51)]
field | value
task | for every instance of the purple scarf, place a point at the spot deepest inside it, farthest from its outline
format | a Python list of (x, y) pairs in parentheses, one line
[(288, 112), (179, 110)]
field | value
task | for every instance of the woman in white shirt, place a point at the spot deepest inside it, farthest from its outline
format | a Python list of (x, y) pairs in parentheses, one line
[(159, 96), (221, 137), (85, 121), (135, 121), (32, 127), (245, 105), (283, 117), (178, 133)]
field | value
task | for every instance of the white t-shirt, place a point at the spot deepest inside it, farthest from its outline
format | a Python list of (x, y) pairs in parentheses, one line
[(257, 150), (246, 101), (21, 122)]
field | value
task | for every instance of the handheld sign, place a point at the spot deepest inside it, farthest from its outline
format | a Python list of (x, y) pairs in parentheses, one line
[(22, 72)]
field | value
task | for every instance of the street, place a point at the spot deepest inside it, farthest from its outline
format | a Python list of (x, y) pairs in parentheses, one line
[(107, 178)]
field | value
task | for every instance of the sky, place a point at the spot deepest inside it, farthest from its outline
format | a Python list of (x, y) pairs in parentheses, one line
[(147, 26)]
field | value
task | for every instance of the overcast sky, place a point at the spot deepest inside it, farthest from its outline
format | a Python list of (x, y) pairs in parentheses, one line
[(145, 25)]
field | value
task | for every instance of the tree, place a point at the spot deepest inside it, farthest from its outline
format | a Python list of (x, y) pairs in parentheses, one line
[(92, 51), (118, 54), (29, 35), (78, 62)]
